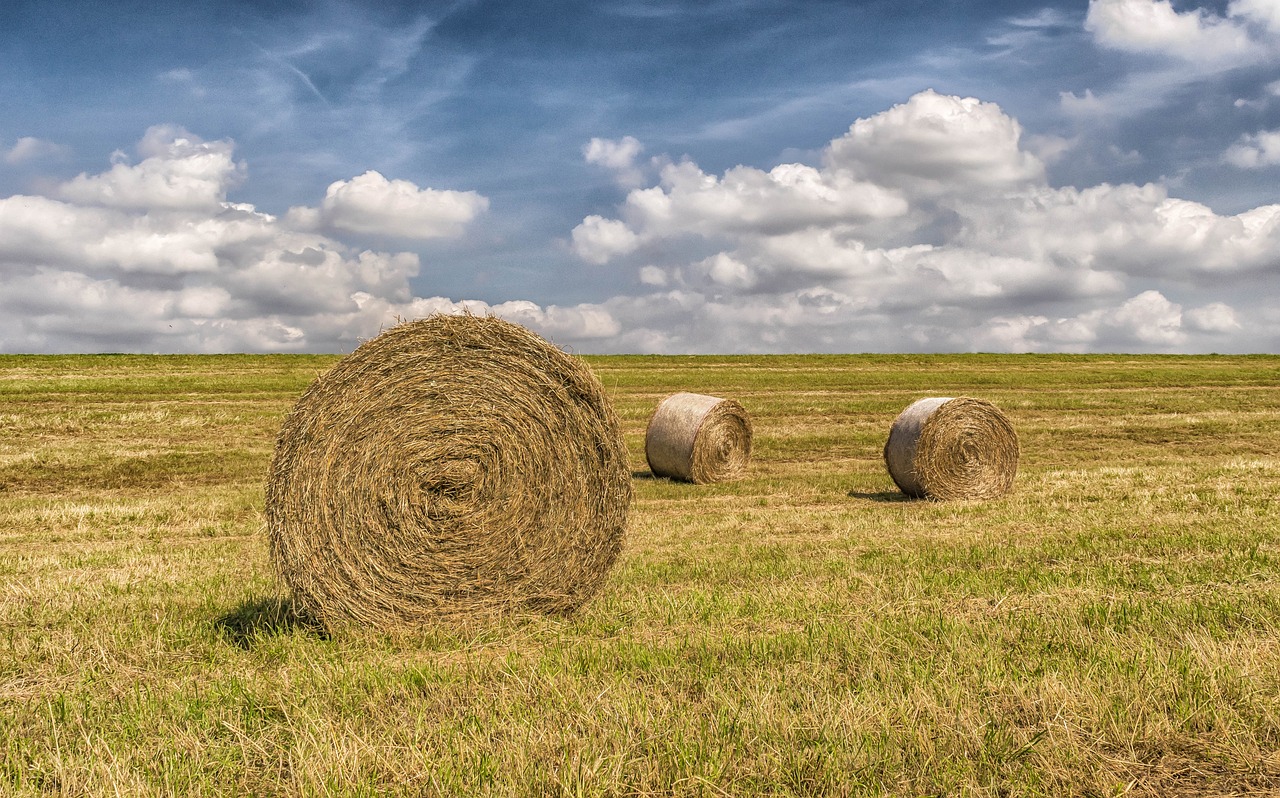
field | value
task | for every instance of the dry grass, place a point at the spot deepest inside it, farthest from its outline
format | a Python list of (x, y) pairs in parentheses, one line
[(1111, 627)]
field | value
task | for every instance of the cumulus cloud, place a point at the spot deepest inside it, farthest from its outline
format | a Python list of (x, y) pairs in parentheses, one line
[(653, 275), (1216, 317), (936, 145), (1196, 35), (598, 240), (371, 204), (150, 256), (928, 226), (577, 323), (178, 172), (689, 202), (1146, 322), (1177, 47), (618, 157), (29, 148), (1255, 150)]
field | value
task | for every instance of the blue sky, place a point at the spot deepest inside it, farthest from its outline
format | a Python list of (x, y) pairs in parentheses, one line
[(735, 176)]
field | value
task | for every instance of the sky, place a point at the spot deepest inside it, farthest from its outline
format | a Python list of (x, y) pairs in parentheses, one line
[(726, 176)]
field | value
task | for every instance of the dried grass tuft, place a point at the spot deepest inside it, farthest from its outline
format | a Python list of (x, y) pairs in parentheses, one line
[(698, 438), (451, 466), (944, 448)]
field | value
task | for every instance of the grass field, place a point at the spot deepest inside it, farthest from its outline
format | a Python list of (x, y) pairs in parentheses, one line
[(1110, 628)]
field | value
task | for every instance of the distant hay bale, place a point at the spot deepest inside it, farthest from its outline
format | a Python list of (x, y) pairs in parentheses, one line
[(450, 466), (944, 448), (698, 438)]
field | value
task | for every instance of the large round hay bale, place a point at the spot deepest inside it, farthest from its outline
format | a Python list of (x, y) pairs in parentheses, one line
[(945, 448), (698, 438), (450, 466)]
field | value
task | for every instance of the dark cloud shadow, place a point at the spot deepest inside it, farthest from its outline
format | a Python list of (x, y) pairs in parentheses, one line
[(257, 618)]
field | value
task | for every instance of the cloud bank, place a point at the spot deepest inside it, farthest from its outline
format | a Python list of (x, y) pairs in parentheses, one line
[(930, 226), (150, 256)]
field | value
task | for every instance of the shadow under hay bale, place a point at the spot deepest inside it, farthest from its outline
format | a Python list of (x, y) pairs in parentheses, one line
[(451, 466), (262, 617), (883, 496), (945, 448), (698, 438)]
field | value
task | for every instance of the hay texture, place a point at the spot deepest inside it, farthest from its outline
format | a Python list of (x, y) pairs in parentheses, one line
[(451, 466), (945, 448), (698, 438)]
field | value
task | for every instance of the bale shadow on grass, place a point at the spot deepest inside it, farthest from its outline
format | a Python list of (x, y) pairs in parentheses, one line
[(890, 496), (643, 475), (265, 617)]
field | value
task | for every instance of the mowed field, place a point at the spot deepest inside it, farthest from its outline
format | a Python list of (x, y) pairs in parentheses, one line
[(1112, 627)]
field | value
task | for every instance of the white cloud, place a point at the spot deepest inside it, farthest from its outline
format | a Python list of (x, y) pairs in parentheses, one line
[(598, 240), (578, 323), (935, 145), (373, 205), (1148, 317), (151, 257), (1146, 322), (654, 276), (1125, 230), (1265, 12), (930, 226), (1051, 149), (688, 201), (29, 148), (1215, 317), (618, 157), (178, 172), (1180, 49), (1153, 26), (927, 226), (726, 271), (1255, 150)]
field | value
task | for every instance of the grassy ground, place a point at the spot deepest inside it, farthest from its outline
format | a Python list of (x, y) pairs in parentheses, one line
[(1110, 628)]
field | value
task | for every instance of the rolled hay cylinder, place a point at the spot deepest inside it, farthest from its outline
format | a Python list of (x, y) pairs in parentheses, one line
[(698, 438), (952, 448), (451, 466)]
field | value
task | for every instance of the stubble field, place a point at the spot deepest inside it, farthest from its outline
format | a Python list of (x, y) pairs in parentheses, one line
[(1112, 627)]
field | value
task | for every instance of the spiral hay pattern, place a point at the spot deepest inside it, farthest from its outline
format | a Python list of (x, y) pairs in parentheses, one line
[(944, 448), (698, 438), (451, 466)]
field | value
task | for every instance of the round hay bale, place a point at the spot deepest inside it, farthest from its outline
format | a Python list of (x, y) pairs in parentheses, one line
[(450, 466), (698, 438), (945, 448)]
